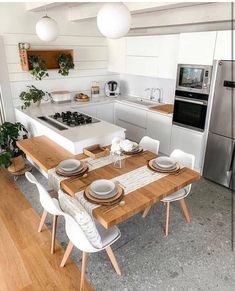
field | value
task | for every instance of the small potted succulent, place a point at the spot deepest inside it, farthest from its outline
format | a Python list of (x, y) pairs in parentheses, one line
[(39, 70), (33, 95), (65, 63), (11, 156)]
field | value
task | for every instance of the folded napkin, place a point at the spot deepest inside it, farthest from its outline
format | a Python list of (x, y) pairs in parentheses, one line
[(127, 145)]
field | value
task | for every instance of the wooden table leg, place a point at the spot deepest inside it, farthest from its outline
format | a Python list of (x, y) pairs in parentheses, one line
[(146, 211), (42, 221), (55, 217), (185, 209)]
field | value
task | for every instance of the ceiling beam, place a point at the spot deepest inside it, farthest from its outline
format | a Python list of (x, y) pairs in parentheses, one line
[(40, 6)]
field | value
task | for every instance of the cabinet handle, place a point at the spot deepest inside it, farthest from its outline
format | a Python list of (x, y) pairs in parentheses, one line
[(132, 123), (191, 101)]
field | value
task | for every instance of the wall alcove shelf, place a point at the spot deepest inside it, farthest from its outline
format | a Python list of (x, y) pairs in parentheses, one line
[(49, 56)]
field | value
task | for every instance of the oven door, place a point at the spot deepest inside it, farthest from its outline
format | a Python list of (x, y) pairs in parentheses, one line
[(193, 78), (190, 113)]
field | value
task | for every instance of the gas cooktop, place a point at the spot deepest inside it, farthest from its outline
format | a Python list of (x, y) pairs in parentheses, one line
[(73, 119)]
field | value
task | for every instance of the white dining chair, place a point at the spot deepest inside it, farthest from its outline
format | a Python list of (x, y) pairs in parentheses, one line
[(150, 144), (187, 160), (49, 204), (78, 239)]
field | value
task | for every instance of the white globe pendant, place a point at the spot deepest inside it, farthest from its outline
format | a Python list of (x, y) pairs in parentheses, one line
[(47, 29), (114, 20)]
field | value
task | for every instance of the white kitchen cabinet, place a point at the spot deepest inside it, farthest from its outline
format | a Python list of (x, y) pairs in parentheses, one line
[(142, 66), (159, 127), (223, 47), (132, 119), (197, 48), (133, 132), (143, 46), (90, 110), (105, 112), (189, 141)]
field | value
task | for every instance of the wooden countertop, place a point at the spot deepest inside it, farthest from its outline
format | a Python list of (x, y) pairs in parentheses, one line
[(165, 108)]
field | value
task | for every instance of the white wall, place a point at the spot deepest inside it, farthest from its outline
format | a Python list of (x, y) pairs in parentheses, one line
[(90, 50), (135, 86)]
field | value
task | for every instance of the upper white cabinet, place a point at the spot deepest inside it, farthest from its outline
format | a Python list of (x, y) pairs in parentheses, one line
[(142, 66), (223, 47), (197, 48), (159, 127)]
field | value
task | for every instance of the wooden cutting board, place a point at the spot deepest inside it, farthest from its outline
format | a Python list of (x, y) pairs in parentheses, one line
[(165, 108)]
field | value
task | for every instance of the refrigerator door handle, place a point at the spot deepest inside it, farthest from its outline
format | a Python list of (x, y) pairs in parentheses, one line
[(229, 172)]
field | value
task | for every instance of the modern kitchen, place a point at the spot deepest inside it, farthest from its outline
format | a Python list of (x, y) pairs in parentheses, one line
[(109, 113)]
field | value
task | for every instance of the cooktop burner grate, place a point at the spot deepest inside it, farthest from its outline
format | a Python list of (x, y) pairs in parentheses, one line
[(73, 119)]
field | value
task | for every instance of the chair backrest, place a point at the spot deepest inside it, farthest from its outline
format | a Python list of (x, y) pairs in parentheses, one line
[(150, 144), (187, 160), (76, 235), (48, 203)]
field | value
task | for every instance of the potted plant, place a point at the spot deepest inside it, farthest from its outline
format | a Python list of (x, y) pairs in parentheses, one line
[(39, 71), (65, 63), (33, 95), (11, 156)]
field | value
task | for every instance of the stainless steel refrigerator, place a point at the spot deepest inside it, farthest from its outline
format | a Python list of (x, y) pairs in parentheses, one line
[(219, 161)]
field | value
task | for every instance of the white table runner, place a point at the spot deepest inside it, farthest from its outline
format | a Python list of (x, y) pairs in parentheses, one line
[(54, 180), (130, 181)]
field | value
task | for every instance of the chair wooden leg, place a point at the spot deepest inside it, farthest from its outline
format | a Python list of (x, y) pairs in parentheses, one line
[(42, 221), (113, 260), (66, 254), (55, 217), (84, 259), (146, 211), (185, 209), (167, 217)]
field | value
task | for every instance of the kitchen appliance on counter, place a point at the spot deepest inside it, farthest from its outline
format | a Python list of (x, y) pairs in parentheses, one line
[(61, 96), (220, 150), (194, 78), (69, 119), (112, 89), (191, 96)]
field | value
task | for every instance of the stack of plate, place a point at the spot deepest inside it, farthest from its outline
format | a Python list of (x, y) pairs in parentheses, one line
[(135, 149), (164, 164), (103, 192), (71, 167)]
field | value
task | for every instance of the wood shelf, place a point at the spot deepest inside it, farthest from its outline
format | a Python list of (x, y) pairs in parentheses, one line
[(49, 56)]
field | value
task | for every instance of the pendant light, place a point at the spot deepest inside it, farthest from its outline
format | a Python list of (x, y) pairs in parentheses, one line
[(47, 28), (114, 20)]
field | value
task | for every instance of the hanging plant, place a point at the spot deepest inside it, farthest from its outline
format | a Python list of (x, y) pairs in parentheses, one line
[(65, 64), (39, 70), (33, 95)]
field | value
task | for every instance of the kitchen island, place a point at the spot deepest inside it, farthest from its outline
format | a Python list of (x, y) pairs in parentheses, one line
[(74, 138)]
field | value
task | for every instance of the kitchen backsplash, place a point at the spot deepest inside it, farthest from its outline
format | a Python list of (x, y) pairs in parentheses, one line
[(135, 86)]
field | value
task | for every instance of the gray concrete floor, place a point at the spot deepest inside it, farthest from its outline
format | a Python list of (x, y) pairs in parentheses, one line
[(195, 256)]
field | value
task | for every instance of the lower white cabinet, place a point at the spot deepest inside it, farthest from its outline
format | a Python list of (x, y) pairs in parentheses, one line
[(189, 141), (159, 127), (106, 112), (132, 119)]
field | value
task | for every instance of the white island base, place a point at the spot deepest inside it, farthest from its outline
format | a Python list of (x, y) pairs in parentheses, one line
[(73, 139)]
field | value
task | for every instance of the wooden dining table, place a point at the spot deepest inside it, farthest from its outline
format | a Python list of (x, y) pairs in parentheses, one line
[(46, 154)]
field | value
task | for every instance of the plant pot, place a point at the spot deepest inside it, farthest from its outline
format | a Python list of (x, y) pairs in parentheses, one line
[(18, 163)]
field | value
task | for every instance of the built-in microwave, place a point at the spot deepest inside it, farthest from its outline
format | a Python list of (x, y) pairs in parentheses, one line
[(194, 78)]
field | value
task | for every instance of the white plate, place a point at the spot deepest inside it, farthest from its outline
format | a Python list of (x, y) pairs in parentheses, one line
[(165, 162), (70, 165), (102, 187), (110, 195)]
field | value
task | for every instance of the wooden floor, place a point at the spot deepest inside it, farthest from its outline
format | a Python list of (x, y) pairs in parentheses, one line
[(25, 260)]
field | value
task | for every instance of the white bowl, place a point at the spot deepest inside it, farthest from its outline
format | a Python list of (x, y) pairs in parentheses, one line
[(69, 165), (165, 162), (102, 187)]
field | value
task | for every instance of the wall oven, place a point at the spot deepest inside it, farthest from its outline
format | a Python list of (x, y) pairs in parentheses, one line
[(194, 78), (190, 110)]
